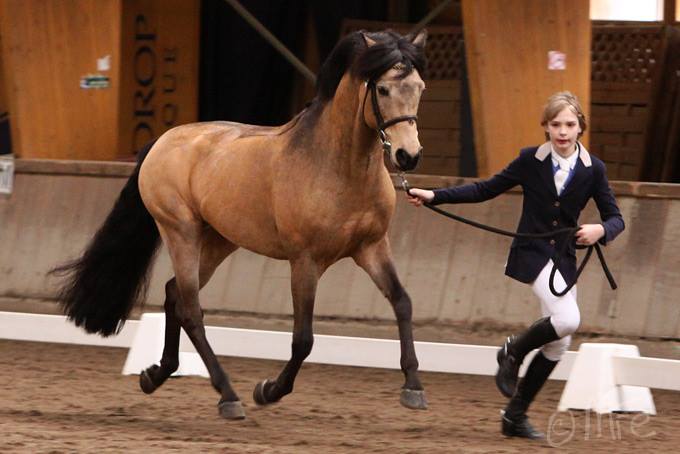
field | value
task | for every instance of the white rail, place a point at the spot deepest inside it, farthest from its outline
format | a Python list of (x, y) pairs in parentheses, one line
[(338, 350)]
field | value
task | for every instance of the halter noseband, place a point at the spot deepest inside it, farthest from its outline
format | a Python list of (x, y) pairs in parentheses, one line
[(382, 124)]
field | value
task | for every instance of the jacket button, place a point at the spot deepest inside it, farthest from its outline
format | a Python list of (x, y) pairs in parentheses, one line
[(554, 223), (557, 203), (552, 242)]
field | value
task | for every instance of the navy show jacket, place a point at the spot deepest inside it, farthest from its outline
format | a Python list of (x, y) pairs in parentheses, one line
[(542, 209)]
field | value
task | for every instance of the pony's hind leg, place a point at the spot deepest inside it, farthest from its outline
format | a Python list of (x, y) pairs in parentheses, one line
[(376, 260), (214, 249), (185, 247), (154, 376), (304, 277)]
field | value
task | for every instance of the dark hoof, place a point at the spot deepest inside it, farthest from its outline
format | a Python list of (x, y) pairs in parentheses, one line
[(413, 399), (258, 392), (231, 410), (145, 380)]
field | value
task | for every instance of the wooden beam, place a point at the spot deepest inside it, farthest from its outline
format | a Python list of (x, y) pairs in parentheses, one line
[(507, 44), (669, 11)]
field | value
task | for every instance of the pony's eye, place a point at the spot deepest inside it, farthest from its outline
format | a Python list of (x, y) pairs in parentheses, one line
[(382, 91)]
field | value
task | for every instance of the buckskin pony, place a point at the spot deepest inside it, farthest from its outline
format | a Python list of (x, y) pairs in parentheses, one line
[(312, 191)]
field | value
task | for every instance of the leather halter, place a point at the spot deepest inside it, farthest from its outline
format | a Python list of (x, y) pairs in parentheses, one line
[(381, 123)]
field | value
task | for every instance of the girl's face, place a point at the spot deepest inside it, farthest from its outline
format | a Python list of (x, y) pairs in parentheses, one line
[(563, 131)]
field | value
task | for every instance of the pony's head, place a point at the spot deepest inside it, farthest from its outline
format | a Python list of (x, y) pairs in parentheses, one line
[(389, 65)]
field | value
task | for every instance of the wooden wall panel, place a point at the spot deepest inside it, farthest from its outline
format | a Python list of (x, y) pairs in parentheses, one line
[(439, 128), (663, 317), (453, 272), (47, 47), (159, 77), (662, 134), (617, 135), (50, 45), (625, 59), (456, 301), (507, 44)]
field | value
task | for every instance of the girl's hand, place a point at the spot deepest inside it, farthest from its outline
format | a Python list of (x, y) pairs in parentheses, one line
[(589, 234), (417, 197)]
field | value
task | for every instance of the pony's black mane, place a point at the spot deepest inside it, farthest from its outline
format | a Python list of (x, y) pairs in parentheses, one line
[(352, 53)]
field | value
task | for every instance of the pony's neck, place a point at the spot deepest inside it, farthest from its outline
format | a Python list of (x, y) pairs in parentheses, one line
[(353, 146)]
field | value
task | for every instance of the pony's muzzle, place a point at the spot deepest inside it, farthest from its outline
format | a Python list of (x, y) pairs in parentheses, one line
[(405, 161)]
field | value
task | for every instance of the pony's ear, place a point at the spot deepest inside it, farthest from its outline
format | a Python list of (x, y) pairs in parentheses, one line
[(420, 39), (369, 42)]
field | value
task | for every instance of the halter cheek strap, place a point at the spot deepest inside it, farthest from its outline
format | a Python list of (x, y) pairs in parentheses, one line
[(382, 124)]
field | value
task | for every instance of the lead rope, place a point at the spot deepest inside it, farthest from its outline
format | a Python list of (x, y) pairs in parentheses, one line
[(568, 232)]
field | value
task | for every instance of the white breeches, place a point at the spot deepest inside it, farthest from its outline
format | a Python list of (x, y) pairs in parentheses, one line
[(563, 311)]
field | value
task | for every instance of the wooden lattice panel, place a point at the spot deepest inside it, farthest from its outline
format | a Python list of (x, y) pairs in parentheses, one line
[(445, 54), (625, 54), (624, 59), (444, 48)]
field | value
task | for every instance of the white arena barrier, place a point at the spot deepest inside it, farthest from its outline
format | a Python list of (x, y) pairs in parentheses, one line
[(608, 378), (601, 377), (56, 328), (145, 340), (147, 348)]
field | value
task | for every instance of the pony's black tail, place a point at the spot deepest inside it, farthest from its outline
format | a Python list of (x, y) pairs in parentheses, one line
[(104, 284)]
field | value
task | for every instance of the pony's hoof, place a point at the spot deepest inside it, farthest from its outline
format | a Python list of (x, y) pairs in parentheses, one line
[(258, 393), (231, 410), (145, 381), (413, 399)]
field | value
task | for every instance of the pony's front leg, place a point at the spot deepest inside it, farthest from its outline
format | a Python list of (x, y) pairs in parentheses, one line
[(304, 276), (376, 260)]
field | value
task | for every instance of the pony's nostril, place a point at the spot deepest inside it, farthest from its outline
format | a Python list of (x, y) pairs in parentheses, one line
[(406, 161), (403, 158)]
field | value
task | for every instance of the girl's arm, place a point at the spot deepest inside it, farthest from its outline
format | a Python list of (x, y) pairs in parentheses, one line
[(612, 221), (481, 190)]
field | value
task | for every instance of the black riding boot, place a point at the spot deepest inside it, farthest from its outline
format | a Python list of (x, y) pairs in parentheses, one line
[(515, 348), (514, 422)]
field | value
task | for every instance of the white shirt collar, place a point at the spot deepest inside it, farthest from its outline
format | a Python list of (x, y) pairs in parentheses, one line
[(571, 159)]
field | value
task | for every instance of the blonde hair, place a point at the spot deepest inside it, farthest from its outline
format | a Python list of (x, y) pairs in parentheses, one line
[(556, 104)]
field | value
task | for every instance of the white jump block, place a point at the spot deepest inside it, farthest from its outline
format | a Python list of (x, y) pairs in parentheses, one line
[(595, 381), (147, 349)]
